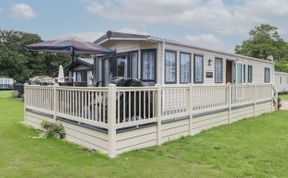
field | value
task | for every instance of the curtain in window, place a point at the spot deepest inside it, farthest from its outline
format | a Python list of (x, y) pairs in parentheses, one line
[(134, 65), (170, 67), (218, 70), (148, 62), (198, 72), (250, 74), (239, 75), (266, 75), (79, 77), (122, 67), (185, 68)]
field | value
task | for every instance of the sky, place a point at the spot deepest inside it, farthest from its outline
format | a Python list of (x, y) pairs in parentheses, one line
[(213, 24)]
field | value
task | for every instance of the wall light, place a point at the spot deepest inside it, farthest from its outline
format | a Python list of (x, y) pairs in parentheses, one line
[(209, 62)]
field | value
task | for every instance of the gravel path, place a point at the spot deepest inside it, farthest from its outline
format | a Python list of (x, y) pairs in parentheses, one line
[(284, 105)]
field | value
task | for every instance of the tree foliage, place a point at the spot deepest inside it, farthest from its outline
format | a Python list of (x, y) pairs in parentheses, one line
[(264, 42), (17, 62)]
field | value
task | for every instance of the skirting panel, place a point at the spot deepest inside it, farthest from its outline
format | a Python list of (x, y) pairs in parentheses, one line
[(88, 138), (146, 136)]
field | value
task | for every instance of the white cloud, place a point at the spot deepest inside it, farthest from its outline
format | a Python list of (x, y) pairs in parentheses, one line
[(22, 11), (205, 40), (211, 15), (131, 30), (85, 36)]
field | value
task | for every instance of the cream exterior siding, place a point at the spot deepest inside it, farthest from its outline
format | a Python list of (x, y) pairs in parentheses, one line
[(281, 81), (122, 46)]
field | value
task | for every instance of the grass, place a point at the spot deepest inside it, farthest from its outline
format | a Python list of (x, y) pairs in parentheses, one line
[(250, 148), (284, 96)]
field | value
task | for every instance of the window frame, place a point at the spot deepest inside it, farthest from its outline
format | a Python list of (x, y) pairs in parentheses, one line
[(222, 69), (265, 79), (190, 67), (165, 78), (130, 64), (194, 67), (250, 80), (154, 68)]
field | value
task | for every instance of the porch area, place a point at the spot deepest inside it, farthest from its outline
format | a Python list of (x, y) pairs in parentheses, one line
[(114, 120)]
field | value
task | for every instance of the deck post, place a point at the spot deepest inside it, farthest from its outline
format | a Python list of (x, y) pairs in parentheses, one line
[(55, 101), (254, 99), (158, 113), (229, 98), (272, 98), (190, 107), (25, 100), (111, 112)]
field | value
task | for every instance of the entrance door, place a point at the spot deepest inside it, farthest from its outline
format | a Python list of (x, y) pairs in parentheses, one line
[(229, 71)]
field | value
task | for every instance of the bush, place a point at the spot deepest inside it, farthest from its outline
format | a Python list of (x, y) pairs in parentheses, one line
[(55, 129), (14, 94)]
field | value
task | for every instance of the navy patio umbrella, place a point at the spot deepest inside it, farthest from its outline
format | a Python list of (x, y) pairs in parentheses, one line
[(70, 46)]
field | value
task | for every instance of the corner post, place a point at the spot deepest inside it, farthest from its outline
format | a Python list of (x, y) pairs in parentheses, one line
[(254, 99), (273, 95), (229, 98), (111, 112), (25, 100), (55, 104), (190, 108), (158, 113)]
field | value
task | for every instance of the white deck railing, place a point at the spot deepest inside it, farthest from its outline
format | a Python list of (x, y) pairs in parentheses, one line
[(133, 106)]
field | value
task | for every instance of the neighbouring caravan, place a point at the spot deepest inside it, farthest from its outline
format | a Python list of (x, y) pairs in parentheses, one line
[(281, 82), (6, 83), (156, 60)]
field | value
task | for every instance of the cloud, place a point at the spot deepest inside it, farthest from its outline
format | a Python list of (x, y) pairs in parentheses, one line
[(212, 15), (205, 40), (131, 30), (22, 11), (86, 36)]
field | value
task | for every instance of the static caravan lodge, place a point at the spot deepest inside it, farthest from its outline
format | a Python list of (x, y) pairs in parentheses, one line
[(115, 119), (155, 60), (281, 82), (6, 83)]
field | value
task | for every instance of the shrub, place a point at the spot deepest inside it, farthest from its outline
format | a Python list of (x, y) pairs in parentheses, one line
[(55, 129), (14, 94)]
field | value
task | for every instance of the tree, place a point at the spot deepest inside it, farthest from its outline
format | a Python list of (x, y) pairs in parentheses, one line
[(264, 41), (17, 62)]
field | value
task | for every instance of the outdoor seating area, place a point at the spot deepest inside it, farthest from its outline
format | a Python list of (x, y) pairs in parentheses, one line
[(115, 119)]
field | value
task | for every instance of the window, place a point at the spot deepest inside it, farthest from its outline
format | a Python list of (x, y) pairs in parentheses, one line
[(266, 75), (250, 74), (81, 76), (280, 80), (239, 73), (170, 67), (122, 67), (134, 64), (218, 70), (185, 68), (198, 68), (148, 65), (244, 73)]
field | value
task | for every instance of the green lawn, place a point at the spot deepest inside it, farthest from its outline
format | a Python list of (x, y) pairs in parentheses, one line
[(250, 148), (284, 97)]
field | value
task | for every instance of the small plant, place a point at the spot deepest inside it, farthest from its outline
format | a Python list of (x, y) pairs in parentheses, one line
[(14, 94), (55, 129)]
